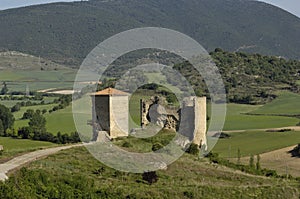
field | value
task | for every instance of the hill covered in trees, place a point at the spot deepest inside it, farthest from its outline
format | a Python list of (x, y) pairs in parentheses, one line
[(66, 32), (248, 78)]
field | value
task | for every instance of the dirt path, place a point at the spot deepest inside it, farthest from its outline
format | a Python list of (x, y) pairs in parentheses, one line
[(29, 157), (293, 128)]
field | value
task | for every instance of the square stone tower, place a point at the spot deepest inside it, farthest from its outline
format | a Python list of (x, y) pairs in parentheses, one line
[(110, 113), (193, 120)]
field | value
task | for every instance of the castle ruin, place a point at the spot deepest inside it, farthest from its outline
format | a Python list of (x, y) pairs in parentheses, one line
[(111, 116)]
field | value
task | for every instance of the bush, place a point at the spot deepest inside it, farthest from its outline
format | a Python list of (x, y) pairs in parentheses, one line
[(156, 146), (16, 108), (222, 135), (150, 177), (193, 149), (189, 194), (126, 144), (28, 114), (269, 173)]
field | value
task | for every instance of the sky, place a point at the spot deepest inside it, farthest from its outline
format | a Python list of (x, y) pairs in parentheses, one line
[(293, 6)]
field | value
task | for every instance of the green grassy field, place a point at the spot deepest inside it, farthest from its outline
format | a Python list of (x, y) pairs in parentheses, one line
[(15, 146), (11, 103), (18, 115), (161, 79), (236, 119), (255, 142), (286, 104), (18, 80), (60, 121)]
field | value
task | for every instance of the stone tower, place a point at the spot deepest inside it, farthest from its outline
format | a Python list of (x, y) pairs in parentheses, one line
[(200, 122), (110, 113), (193, 120)]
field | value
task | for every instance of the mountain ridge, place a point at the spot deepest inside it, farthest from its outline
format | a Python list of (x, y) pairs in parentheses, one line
[(67, 32)]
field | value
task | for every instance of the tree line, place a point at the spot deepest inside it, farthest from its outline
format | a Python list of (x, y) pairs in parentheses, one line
[(36, 129)]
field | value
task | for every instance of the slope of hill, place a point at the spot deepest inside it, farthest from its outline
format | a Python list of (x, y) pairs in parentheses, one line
[(74, 173), (12, 60), (66, 32)]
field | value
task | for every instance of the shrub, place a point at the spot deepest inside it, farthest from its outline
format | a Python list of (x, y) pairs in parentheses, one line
[(156, 146), (16, 108), (189, 194), (150, 176), (269, 173), (193, 149), (126, 144)]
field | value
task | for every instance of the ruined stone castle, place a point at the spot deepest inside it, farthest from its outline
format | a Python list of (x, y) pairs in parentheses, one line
[(111, 116)]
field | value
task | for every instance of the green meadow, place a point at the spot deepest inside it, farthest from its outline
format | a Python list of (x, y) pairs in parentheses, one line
[(286, 104), (15, 146), (237, 119), (60, 121), (34, 80), (255, 142)]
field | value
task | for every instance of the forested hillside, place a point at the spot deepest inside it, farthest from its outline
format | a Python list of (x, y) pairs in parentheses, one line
[(248, 78), (66, 32)]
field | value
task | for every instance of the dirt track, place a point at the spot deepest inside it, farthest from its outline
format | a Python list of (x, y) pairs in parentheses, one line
[(293, 128), (29, 157)]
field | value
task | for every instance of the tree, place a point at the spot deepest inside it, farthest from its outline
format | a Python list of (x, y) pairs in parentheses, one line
[(25, 133), (251, 161), (193, 149), (6, 117), (2, 132), (156, 146), (28, 114), (239, 156), (4, 89), (150, 176), (16, 108), (258, 162), (37, 123)]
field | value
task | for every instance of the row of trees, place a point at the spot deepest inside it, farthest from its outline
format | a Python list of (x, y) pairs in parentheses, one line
[(6, 119), (252, 168), (63, 101), (35, 130)]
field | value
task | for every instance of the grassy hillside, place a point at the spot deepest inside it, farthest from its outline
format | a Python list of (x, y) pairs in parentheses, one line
[(75, 173), (255, 142), (66, 32)]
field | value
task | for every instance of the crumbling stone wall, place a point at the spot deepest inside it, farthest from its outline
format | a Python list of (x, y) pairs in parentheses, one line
[(192, 117), (156, 111)]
